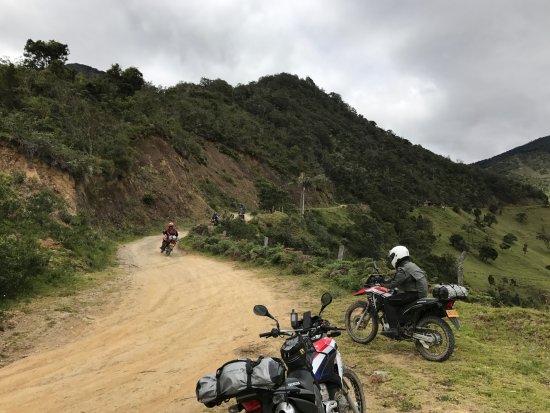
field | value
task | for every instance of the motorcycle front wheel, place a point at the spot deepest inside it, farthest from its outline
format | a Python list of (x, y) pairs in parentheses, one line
[(444, 339), (352, 394), (361, 322)]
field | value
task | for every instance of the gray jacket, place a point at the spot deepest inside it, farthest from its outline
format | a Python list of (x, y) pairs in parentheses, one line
[(410, 277)]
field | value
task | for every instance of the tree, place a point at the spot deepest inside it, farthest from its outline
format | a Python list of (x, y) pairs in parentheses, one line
[(307, 182), (486, 253), (458, 242), (270, 196), (510, 238), (490, 219), (477, 214), (521, 217), (544, 237), (127, 81), (39, 54)]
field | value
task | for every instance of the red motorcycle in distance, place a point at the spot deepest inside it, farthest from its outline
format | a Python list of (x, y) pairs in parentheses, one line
[(171, 243), (421, 321)]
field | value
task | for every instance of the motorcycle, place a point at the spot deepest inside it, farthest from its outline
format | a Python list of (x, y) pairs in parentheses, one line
[(317, 381), (171, 243), (420, 321)]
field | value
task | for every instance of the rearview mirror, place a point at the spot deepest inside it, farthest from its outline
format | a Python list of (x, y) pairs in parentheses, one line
[(326, 299), (261, 310)]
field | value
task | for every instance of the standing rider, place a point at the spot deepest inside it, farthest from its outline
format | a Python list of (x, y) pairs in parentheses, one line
[(412, 283), (170, 230), (215, 219)]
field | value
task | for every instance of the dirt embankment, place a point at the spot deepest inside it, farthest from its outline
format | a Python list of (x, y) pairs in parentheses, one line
[(178, 318)]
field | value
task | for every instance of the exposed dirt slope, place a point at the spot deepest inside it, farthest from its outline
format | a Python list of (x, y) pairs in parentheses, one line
[(147, 353), (61, 183)]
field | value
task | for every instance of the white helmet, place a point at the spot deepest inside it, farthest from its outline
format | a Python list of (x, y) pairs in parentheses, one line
[(397, 253)]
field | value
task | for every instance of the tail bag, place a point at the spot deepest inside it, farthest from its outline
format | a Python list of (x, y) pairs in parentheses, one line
[(449, 292), (238, 375)]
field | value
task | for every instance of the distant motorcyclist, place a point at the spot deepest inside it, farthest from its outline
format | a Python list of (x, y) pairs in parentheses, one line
[(215, 219), (168, 231), (410, 281), (242, 211)]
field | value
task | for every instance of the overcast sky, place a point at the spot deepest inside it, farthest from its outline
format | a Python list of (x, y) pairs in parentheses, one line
[(467, 79)]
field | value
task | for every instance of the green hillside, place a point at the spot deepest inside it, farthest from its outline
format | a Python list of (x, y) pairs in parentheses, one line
[(528, 163), (130, 155), (527, 269)]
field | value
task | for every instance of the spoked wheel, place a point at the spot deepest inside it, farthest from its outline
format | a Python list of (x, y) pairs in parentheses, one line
[(442, 340), (361, 322), (352, 394)]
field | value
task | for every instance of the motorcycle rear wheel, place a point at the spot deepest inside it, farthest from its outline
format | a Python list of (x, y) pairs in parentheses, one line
[(354, 388), (361, 322), (445, 345)]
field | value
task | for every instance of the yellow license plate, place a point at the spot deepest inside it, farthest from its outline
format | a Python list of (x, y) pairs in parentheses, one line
[(452, 313)]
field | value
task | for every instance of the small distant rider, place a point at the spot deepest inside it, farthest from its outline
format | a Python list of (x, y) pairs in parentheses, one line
[(169, 230), (215, 218), (411, 282), (242, 211)]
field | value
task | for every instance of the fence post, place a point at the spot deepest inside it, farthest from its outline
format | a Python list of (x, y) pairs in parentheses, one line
[(460, 268), (341, 252)]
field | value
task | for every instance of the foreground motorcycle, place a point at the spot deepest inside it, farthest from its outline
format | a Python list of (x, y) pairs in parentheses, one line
[(420, 321), (171, 243), (316, 380)]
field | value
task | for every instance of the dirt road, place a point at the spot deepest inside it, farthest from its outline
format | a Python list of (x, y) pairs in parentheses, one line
[(181, 317)]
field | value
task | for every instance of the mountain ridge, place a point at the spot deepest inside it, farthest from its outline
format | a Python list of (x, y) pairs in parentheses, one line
[(529, 163)]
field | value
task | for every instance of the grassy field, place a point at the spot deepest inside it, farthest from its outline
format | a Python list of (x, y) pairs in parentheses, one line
[(501, 361), (528, 269)]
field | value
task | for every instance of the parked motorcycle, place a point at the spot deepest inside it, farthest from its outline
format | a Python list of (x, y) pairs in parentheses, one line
[(171, 244), (310, 351), (420, 321), (316, 379)]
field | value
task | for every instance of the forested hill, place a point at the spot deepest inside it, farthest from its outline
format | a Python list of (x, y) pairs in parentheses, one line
[(94, 125), (529, 163)]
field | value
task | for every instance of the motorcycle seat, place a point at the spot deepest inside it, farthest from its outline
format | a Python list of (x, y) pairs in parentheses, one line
[(425, 300)]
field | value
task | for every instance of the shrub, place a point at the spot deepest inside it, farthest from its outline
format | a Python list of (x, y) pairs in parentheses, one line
[(458, 242), (148, 199), (486, 253), (20, 260), (237, 229), (510, 238)]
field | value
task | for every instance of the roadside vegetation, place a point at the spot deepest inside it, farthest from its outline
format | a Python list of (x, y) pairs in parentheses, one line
[(43, 244), (517, 276)]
